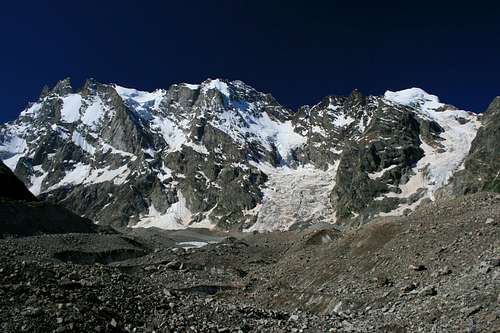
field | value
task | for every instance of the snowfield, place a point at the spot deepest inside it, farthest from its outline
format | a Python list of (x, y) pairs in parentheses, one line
[(295, 193)]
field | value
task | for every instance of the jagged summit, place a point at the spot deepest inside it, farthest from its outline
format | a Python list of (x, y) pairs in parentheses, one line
[(221, 153), (63, 87)]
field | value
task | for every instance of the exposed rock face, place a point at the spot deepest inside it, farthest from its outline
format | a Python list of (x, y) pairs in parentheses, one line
[(392, 143), (223, 154), (482, 165)]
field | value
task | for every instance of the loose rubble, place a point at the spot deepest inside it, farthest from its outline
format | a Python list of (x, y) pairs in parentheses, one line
[(436, 270)]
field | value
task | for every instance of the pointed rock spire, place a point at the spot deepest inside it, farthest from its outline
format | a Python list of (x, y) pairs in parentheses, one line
[(45, 91), (63, 87), (356, 95)]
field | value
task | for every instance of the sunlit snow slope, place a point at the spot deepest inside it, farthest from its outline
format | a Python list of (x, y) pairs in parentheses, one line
[(221, 154)]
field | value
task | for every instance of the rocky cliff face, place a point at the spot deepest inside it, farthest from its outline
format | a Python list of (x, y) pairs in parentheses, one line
[(223, 154), (481, 171)]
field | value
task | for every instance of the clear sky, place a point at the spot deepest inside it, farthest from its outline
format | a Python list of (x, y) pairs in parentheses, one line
[(299, 51)]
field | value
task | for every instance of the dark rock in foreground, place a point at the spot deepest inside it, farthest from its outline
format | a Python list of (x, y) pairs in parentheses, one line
[(20, 218), (434, 271), (22, 214), (11, 187)]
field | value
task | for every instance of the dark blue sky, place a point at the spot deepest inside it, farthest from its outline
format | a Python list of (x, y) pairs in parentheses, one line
[(299, 51)]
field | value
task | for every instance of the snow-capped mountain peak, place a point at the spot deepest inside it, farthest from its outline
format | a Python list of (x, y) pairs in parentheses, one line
[(216, 84), (414, 97), (221, 153)]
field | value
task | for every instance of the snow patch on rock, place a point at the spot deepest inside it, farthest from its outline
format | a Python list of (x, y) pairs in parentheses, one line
[(11, 150), (32, 111), (343, 120), (93, 113), (37, 180), (177, 216), (80, 141), (87, 175), (70, 111), (140, 100), (219, 85), (243, 124)]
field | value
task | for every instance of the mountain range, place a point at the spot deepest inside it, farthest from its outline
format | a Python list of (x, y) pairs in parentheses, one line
[(223, 155)]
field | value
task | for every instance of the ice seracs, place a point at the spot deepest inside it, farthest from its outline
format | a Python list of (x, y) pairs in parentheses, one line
[(294, 197), (218, 137)]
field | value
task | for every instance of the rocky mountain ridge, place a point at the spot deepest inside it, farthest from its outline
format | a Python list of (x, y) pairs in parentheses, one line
[(223, 154)]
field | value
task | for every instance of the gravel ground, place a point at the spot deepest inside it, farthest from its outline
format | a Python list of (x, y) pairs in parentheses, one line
[(436, 270)]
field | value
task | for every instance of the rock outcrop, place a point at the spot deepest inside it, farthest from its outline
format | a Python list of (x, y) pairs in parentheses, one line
[(11, 187), (22, 214), (221, 154), (481, 170)]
